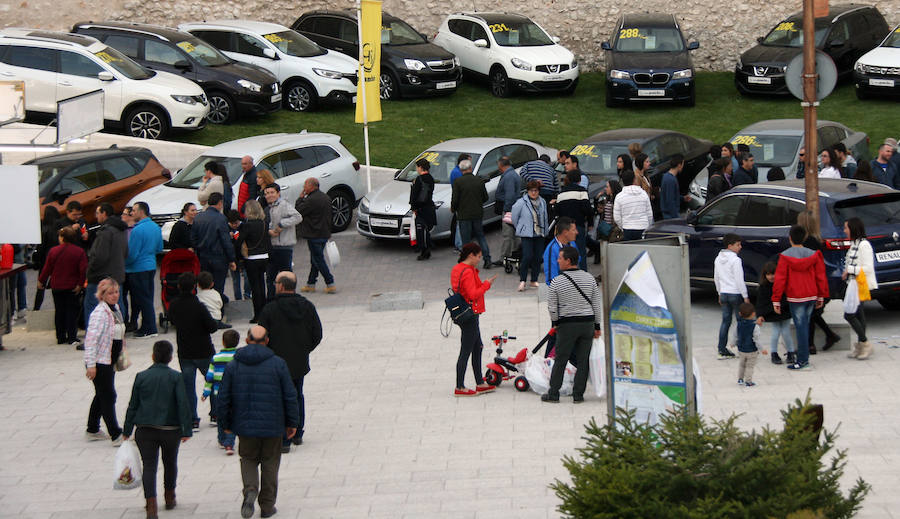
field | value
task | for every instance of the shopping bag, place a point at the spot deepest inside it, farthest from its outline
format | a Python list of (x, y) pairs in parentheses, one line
[(127, 467), (597, 363), (862, 286), (413, 241), (123, 362), (332, 254), (538, 370), (851, 297)]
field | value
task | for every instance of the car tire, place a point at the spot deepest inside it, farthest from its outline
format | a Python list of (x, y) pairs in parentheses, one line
[(389, 87), (860, 94), (300, 96), (610, 102), (341, 209), (691, 101), (221, 108), (146, 122), (891, 303), (499, 82), (571, 90)]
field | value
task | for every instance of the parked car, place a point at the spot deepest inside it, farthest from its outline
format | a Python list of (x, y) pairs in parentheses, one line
[(777, 142), (231, 88), (648, 59), (848, 32), (57, 66), (112, 175), (291, 157), (511, 51), (877, 72), (762, 214), (309, 74), (385, 212), (410, 65)]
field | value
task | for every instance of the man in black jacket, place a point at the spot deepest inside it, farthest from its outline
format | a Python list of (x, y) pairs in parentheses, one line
[(193, 324), (573, 201), (315, 227), (467, 202), (212, 242), (294, 331), (106, 259)]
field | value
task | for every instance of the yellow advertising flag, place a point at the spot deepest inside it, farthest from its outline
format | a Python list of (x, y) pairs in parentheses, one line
[(368, 88)]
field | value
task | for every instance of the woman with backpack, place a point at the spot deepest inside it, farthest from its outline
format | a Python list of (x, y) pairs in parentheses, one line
[(464, 281)]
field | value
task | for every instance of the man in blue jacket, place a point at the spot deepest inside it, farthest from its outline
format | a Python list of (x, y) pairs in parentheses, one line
[(213, 242), (508, 191), (884, 169), (566, 232), (669, 192), (144, 243), (258, 402)]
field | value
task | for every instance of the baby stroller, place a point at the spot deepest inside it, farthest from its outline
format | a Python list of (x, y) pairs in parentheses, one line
[(511, 262), (174, 264)]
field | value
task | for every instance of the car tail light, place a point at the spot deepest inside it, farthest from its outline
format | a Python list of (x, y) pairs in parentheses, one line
[(356, 165), (838, 243)]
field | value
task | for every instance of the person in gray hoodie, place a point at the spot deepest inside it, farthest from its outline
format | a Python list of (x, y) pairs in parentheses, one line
[(106, 259), (281, 218)]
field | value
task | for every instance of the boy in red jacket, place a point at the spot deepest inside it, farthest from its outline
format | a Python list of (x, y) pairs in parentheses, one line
[(801, 276)]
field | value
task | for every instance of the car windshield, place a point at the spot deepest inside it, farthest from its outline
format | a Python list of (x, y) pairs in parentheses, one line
[(294, 44), (874, 211), (598, 159), (204, 53), (519, 34), (790, 34), (397, 32), (192, 175), (893, 39), (442, 163), (770, 150), (123, 64), (649, 39), (48, 172)]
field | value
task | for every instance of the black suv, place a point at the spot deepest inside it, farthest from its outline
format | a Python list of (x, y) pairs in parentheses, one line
[(410, 65), (848, 32), (231, 87), (648, 59)]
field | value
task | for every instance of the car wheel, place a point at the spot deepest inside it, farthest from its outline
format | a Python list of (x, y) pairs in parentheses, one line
[(300, 96), (341, 210), (610, 102), (499, 82), (146, 122), (389, 86), (691, 101), (860, 94), (221, 108), (891, 303), (571, 90)]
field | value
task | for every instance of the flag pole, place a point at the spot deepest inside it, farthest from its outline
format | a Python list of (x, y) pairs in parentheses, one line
[(362, 79)]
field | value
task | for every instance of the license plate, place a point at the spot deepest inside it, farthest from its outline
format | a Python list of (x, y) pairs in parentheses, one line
[(881, 82), (651, 93), (384, 222), (759, 80), (888, 256), (276, 98), (445, 84), (553, 78)]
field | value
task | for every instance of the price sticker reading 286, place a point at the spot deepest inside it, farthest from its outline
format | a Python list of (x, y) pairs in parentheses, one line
[(431, 157), (786, 27), (749, 140)]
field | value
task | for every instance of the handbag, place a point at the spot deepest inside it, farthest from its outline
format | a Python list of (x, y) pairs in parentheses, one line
[(123, 362), (851, 297), (863, 286), (332, 253), (460, 310), (245, 250)]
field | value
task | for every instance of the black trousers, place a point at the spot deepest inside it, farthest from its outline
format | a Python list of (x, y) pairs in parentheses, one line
[(256, 273), (423, 234), (572, 339), (260, 459), (104, 402), (150, 441), (857, 321), (470, 345), (66, 316), (817, 320)]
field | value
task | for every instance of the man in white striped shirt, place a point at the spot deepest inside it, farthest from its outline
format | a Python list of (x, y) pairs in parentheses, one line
[(632, 211), (574, 304)]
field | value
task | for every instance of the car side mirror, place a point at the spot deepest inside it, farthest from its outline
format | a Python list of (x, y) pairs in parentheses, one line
[(167, 174), (605, 46), (691, 218), (270, 53), (60, 196), (694, 45), (555, 39), (183, 65), (397, 174), (759, 39), (105, 75), (836, 43), (481, 43)]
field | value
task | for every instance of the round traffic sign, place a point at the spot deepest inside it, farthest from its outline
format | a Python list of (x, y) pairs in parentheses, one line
[(825, 82)]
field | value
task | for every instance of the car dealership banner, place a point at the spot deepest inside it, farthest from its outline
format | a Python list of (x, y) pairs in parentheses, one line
[(368, 90)]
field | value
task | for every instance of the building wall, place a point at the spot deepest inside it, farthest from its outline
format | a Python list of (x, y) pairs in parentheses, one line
[(581, 25)]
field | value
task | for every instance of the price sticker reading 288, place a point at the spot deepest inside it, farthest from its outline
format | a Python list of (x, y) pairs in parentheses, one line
[(631, 33)]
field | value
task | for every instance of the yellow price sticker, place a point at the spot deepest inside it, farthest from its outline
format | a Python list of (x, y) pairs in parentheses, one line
[(186, 46), (749, 140), (897, 30), (786, 27), (499, 27), (106, 57), (584, 149), (631, 33), (431, 157), (274, 38)]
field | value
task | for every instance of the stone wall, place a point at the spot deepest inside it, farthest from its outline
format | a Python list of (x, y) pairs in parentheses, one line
[(581, 25)]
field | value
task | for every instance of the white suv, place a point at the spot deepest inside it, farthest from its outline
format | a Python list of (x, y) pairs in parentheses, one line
[(57, 66), (291, 157), (308, 73), (512, 51)]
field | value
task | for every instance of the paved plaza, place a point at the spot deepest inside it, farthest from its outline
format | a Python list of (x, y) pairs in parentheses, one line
[(384, 436)]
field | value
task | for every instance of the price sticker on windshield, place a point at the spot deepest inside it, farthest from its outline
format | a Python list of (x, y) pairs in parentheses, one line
[(749, 140), (498, 27), (631, 33), (186, 46), (431, 157), (584, 149), (786, 27), (274, 38), (106, 57)]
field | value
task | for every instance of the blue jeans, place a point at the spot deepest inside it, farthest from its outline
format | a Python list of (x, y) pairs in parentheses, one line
[(730, 304), (236, 283), (532, 252), (457, 239), (20, 292), (298, 385), (225, 439), (280, 259), (782, 329), (189, 367), (801, 312), (317, 262), (141, 286), (472, 230)]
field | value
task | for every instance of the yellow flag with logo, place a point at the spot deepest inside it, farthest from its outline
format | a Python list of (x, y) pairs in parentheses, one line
[(368, 98)]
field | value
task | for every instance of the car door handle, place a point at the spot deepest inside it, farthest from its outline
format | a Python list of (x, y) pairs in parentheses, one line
[(324, 175), (6, 74), (65, 83), (772, 240)]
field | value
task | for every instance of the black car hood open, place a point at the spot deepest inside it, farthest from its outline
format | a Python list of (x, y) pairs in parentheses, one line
[(420, 51), (769, 55), (658, 61)]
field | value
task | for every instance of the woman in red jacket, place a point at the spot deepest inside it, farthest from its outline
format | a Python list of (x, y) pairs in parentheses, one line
[(465, 281), (65, 266)]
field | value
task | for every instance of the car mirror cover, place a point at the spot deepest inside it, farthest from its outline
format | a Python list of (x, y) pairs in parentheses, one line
[(605, 45)]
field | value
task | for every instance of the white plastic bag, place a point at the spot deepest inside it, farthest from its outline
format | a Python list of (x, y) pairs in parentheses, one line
[(597, 375), (332, 254), (538, 370), (851, 297), (127, 470)]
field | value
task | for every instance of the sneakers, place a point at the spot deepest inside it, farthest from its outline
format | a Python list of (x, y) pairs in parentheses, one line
[(799, 367), (297, 439), (21, 314), (78, 344), (725, 355), (331, 289), (247, 505), (145, 335), (464, 392), (212, 421), (749, 383), (229, 450), (791, 357), (196, 425), (740, 382), (95, 436), (308, 288), (286, 449), (118, 440), (776, 359), (521, 286), (547, 397)]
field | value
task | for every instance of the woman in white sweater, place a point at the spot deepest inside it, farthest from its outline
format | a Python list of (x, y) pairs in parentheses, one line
[(860, 260), (632, 211)]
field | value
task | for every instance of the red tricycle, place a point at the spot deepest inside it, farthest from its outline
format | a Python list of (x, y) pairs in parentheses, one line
[(500, 369)]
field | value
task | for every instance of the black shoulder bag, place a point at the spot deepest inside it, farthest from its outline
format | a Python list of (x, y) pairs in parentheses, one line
[(460, 310)]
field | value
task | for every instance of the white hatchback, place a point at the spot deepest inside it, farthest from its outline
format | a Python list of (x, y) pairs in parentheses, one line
[(56, 66), (309, 74), (512, 51)]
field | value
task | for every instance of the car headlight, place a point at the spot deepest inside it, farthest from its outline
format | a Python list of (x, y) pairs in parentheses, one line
[(188, 100), (859, 67), (330, 74), (249, 85), (619, 74), (456, 61), (683, 74), (413, 64), (574, 63), (522, 64), (364, 205)]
